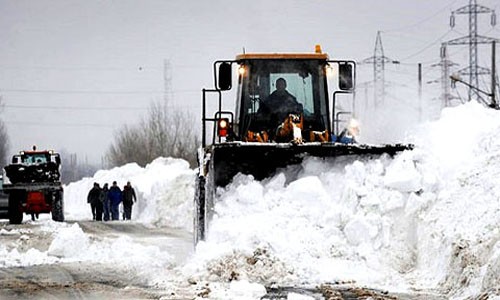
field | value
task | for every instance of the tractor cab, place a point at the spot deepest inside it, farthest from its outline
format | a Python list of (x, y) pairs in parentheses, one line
[(273, 86)]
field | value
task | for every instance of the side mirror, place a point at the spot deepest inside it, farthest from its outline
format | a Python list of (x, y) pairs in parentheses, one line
[(225, 76), (345, 77)]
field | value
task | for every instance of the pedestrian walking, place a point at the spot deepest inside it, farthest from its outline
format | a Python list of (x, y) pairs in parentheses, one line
[(93, 198), (129, 198), (115, 198), (105, 202)]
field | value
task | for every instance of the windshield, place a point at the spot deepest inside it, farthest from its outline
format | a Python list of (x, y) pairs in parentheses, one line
[(36, 158), (279, 87)]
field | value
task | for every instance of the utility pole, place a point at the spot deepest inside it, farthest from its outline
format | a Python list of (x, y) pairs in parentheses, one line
[(378, 60), (167, 81), (494, 103), (473, 39), (420, 92)]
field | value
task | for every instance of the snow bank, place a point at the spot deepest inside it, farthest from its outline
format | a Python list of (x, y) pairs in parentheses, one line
[(427, 219), (164, 189)]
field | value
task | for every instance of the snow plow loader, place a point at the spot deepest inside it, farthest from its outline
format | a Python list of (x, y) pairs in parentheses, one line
[(283, 113), (32, 183)]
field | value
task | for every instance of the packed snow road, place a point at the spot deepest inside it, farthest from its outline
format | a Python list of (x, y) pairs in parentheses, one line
[(88, 260)]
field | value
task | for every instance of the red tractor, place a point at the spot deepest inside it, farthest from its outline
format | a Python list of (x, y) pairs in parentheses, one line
[(32, 183)]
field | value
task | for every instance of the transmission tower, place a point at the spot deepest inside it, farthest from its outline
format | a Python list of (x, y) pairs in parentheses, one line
[(445, 64), (473, 39), (378, 60)]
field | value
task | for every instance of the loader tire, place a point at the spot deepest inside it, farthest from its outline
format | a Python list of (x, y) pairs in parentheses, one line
[(199, 210), (58, 207), (15, 209)]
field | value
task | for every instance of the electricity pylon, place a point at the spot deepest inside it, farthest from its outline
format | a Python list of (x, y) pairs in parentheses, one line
[(378, 60), (473, 39)]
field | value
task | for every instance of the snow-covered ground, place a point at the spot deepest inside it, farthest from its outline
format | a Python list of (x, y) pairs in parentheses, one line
[(428, 219)]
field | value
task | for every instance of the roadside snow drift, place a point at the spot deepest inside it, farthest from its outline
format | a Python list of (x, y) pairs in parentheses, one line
[(427, 219), (164, 189)]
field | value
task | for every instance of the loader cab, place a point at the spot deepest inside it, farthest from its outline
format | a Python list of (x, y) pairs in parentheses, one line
[(306, 75), (258, 79)]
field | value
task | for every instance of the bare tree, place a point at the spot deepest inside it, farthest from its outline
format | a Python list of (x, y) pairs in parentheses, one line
[(166, 131), (4, 140), (73, 169)]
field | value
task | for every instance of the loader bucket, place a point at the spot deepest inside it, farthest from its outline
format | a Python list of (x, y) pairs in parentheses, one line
[(261, 160)]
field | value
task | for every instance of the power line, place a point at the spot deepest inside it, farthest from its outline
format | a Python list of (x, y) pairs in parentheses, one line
[(57, 68), (423, 20), (77, 108), (438, 40), (139, 68), (76, 91), (37, 124), (73, 107), (103, 92)]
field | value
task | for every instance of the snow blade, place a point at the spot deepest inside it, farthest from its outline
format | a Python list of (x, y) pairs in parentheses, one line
[(263, 159), (219, 163)]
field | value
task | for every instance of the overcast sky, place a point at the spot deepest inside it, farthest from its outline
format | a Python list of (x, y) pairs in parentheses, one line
[(73, 72)]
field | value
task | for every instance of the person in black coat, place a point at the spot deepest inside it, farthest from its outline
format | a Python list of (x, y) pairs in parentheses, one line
[(129, 198), (94, 199), (280, 103), (105, 202)]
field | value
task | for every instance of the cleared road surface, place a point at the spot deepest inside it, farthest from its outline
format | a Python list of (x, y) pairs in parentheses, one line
[(96, 279)]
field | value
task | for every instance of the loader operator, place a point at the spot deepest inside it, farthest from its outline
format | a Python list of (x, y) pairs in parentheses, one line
[(280, 103)]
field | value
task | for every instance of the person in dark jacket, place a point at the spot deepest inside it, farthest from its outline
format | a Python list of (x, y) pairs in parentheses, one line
[(94, 199), (115, 198), (281, 103), (105, 202), (129, 198)]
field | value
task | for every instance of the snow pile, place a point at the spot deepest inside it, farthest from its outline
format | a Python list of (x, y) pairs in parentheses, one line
[(72, 244), (429, 218), (69, 242), (460, 234), (336, 222), (164, 189), (14, 258)]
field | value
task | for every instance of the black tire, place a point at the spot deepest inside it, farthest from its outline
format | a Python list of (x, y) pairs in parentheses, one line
[(15, 210), (199, 210), (58, 207)]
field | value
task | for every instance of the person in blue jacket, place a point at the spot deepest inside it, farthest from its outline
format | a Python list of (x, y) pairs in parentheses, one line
[(115, 198)]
